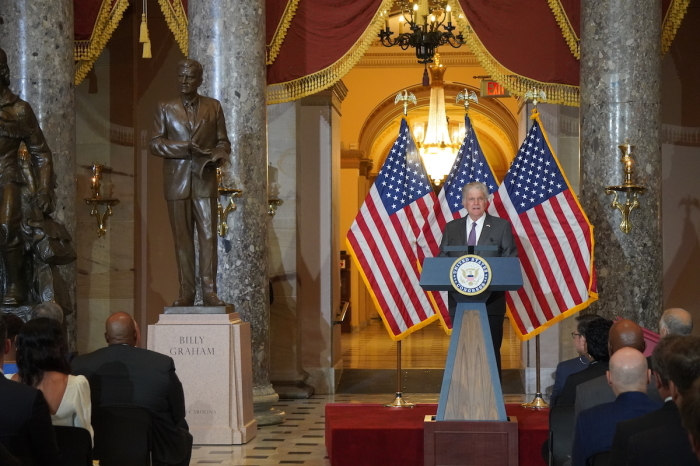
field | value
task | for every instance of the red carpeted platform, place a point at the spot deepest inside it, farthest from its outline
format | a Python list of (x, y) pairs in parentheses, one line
[(369, 434)]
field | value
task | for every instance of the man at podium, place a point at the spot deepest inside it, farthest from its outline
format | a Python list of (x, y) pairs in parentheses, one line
[(481, 229)]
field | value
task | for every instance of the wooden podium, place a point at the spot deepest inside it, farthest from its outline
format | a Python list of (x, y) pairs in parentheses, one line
[(471, 426)]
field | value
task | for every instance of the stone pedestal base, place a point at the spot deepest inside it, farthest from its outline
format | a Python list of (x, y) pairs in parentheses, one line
[(213, 361)]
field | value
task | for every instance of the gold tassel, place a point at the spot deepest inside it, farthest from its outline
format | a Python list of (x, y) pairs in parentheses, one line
[(147, 49), (143, 35)]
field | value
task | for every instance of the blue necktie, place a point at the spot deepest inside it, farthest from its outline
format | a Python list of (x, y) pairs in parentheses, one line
[(472, 236)]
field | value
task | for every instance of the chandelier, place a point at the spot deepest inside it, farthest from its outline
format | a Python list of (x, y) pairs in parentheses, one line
[(438, 144), (423, 18)]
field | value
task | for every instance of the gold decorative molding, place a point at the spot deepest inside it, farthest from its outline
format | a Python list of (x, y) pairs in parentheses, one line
[(355, 159), (378, 57), (333, 97)]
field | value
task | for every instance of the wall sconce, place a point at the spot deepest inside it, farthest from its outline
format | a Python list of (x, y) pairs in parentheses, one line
[(274, 203), (230, 206), (630, 189), (97, 200)]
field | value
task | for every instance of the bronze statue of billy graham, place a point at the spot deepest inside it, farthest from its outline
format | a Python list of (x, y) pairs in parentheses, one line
[(190, 135)]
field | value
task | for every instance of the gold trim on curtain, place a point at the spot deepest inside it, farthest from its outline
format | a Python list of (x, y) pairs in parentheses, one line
[(85, 52), (273, 48), (325, 78), (672, 21), (176, 18), (572, 40), (518, 85)]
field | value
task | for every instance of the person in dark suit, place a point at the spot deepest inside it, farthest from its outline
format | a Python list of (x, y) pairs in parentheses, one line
[(595, 427), (691, 417), (571, 366), (25, 421), (657, 438), (597, 345), (481, 229), (190, 134), (123, 375)]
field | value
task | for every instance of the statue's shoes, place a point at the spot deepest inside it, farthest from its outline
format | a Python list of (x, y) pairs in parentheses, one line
[(211, 299), (182, 302)]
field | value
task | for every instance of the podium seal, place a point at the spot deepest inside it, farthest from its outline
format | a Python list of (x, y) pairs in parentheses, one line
[(470, 275)]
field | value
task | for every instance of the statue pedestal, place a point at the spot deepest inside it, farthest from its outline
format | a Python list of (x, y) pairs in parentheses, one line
[(213, 361)]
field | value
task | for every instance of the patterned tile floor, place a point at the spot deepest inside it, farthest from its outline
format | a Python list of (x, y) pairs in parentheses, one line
[(301, 438)]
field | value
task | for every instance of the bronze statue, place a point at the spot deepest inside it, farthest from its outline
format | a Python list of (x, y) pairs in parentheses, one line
[(31, 243), (190, 135)]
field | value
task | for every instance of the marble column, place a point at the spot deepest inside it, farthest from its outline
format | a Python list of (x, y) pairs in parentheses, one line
[(228, 38), (620, 91), (38, 39)]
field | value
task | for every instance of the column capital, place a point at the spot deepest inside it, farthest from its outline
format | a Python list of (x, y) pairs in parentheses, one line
[(355, 158), (333, 96)]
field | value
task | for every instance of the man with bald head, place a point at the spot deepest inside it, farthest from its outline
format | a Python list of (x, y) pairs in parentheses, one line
[(628, 375), (123, 375), (675, 321), (623, 334)]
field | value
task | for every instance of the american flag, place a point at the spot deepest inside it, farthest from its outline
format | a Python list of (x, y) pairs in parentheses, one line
[(382, 239), (554, 237), (470, 165)]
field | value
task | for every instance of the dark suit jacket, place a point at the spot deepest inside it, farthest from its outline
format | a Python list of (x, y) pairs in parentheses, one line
[(495, 232), (122, 375), (595, 427), (657, 438), (25, 424), (563, 371), (171, 139), (568, 393)]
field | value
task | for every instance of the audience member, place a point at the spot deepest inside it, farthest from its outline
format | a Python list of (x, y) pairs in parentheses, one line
[(682, 359), (691, 417), (123, 375), (623, 334), (577, 364), (14, 323), (597, 344), (595, 427), (25, 422), (671, 442), (48, 309), (675, 321), (41, 363)]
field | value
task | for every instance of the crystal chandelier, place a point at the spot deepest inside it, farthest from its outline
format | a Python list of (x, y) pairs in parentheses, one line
[(437, 146), (423, 19)]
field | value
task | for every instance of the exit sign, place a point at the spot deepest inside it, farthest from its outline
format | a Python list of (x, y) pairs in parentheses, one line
[(492, 89)]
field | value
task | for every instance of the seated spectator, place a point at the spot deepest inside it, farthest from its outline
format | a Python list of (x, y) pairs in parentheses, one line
[(25, 423), (41, 363), (671, 442), (14, 323), (597, 345), (691, 417), (675, 321), (123, 375), (682, 360), (577, 364), (48, 309), (595, 427), (623, 334)]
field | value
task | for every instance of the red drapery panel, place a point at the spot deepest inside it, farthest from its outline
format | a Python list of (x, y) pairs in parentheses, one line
[(85, 12)]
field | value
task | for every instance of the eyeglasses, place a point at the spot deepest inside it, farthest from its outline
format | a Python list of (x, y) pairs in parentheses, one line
[(575, 335)]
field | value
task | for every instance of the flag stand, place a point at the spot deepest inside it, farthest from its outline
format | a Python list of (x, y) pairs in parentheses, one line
[(398, 402), (538, 402)]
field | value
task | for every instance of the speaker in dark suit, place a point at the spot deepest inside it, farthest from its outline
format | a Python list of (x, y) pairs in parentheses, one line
[(190, 134), (25, 424), (481, 229), (123, 375)]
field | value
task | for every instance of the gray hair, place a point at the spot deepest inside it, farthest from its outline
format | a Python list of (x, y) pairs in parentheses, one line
[(677, 321), (475, 185), (48, 309)]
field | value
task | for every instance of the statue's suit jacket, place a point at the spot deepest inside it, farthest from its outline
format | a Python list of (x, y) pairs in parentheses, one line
[(495, 232), (171, 139)]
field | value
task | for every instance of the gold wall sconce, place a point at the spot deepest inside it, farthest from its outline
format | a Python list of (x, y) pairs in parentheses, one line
[(230, 205), (274, 203), (96, 201), (630, 189)]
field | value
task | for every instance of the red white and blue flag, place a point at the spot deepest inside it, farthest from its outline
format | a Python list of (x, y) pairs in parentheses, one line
[(553, 234), (470, 166), (382, 239)]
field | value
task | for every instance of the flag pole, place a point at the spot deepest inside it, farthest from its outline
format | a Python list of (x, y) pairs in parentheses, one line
[(538, 402), (399, 402)]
